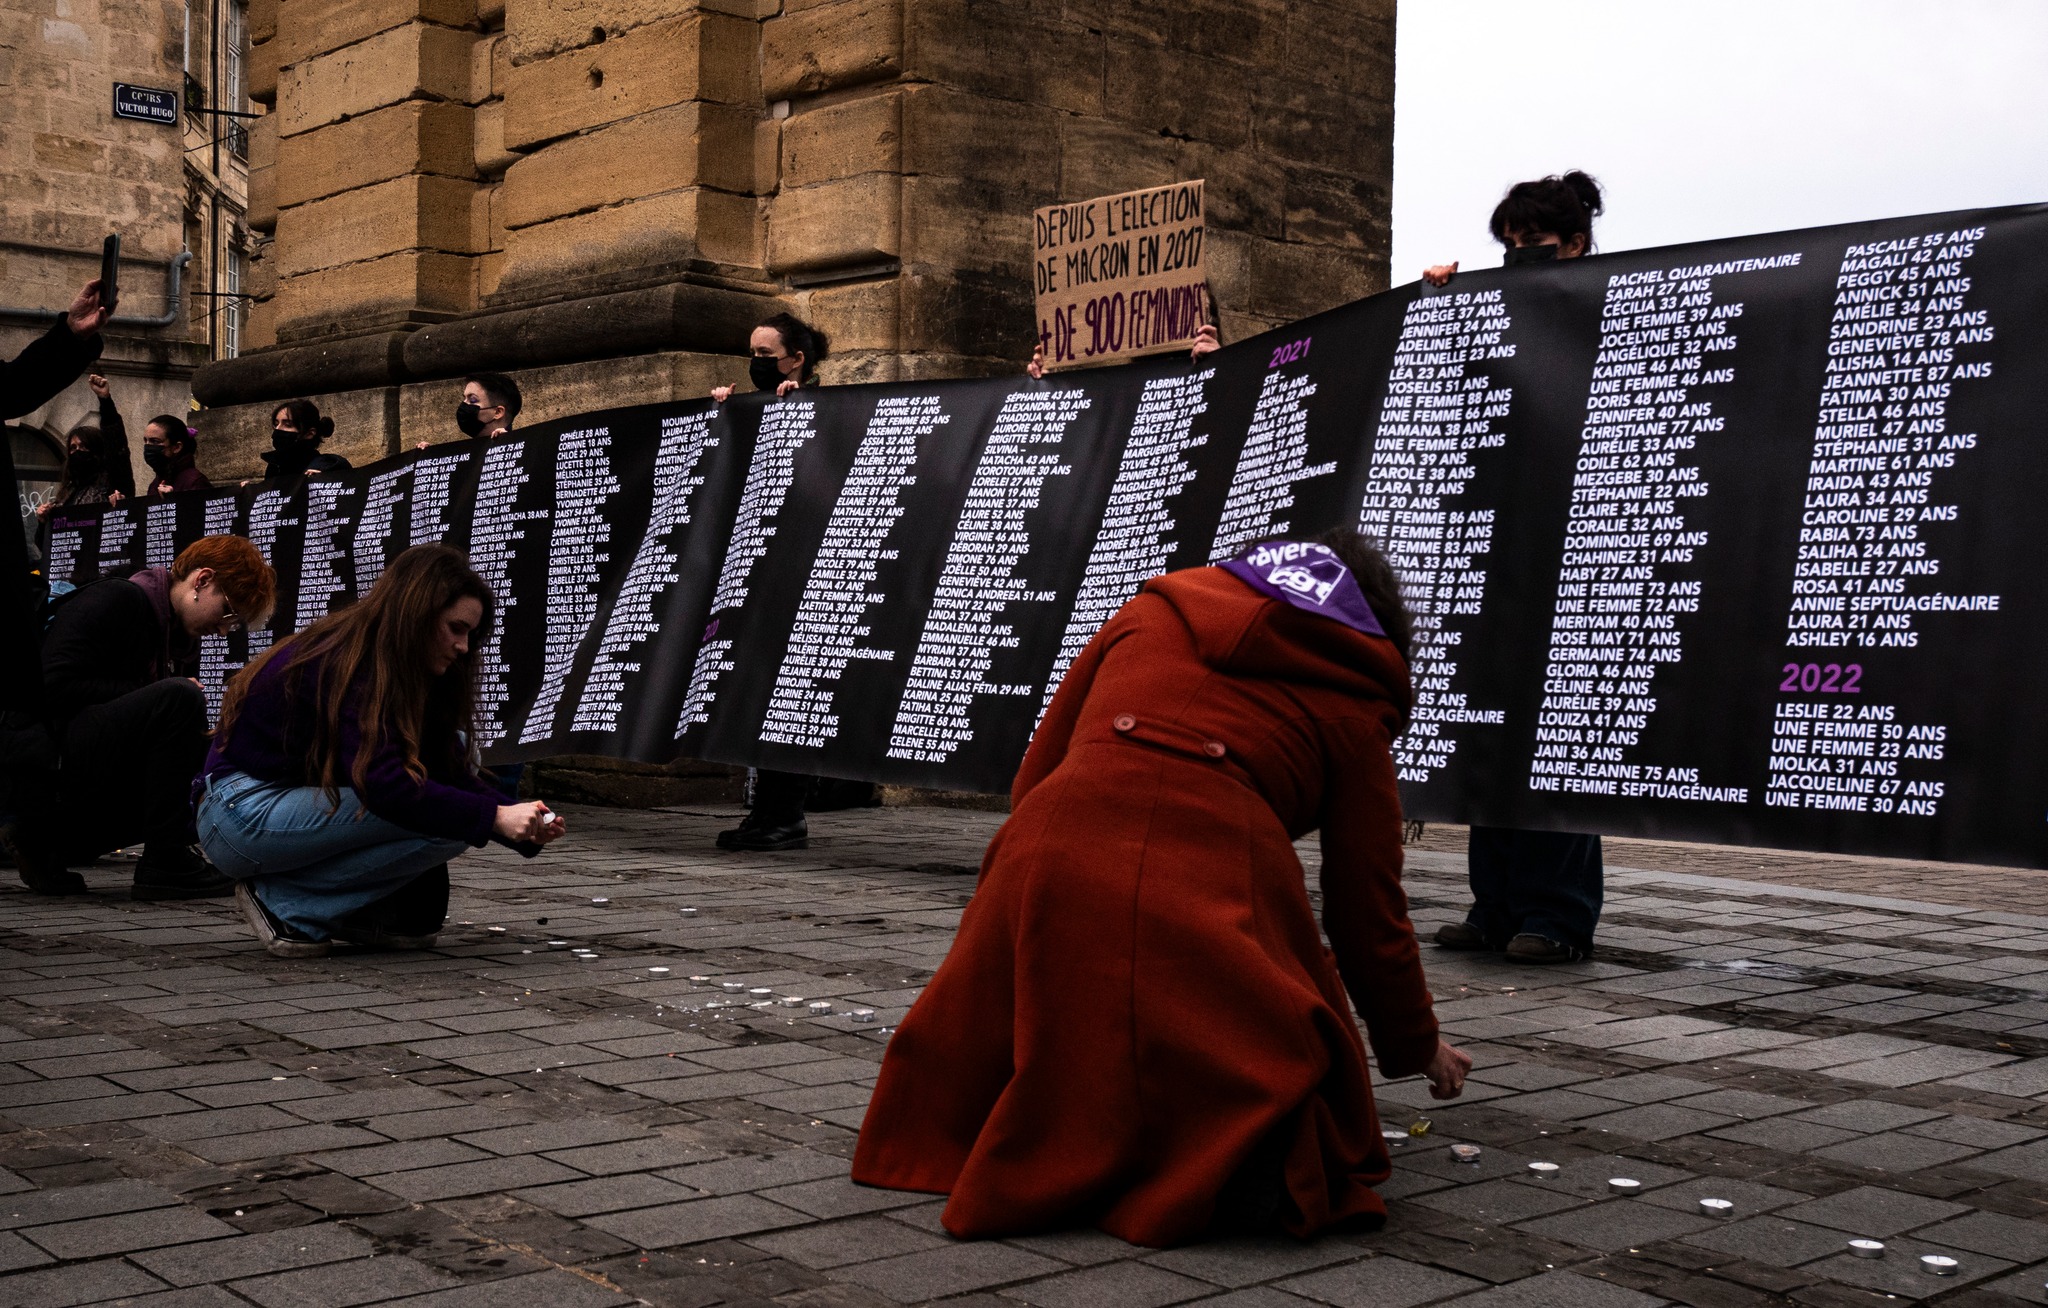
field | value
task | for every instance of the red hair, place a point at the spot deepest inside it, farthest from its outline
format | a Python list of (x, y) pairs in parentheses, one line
[(238, 569)]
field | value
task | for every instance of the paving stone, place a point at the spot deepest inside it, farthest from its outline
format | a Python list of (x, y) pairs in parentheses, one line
[(1655, 1121), (1500, 1201), (76, 1283), (605, 1195), (550, 1289), (1558, 1290), (1742, 1103), (1867, 1115), (632, 1155), (539, 1137), (698, 1220), (1246, 1261), (1894, 1151), (1749, 1197), (1645, 1087), (1911, 1068), (835, 1244), (2028, 1160), (17, 1253), (1126, 1284), (98, 1236), (251, 1255), (41, 1208), (1562, 1105), (2028, 1080), (1899, 1273), (456, 1179), (1977, 1131), (936, 1273), (1874, 1213), (1383, 1282), (1773, 1240), (757, 1171), (1995, 1234)]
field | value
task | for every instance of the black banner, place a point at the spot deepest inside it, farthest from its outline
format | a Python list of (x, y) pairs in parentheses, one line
[(1736, 541)]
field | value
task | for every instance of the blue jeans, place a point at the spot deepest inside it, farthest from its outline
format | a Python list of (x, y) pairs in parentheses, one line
[(310, 862), (1544, 883)]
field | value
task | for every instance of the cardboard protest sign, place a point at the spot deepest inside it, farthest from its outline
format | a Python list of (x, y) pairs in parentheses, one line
[(1120, 276)]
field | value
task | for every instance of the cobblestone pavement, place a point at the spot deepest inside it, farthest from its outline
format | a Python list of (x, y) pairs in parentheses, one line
[(503, 1122)]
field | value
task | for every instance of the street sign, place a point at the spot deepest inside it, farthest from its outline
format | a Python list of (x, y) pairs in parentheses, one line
[(145, 104)]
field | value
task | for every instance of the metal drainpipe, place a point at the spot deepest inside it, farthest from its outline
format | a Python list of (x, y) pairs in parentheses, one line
[(174, 302)]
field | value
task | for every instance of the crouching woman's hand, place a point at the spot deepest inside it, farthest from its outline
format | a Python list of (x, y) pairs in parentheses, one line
[(534, 824)]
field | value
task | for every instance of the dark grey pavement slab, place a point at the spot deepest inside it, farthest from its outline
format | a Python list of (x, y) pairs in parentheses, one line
[(496, 1123)]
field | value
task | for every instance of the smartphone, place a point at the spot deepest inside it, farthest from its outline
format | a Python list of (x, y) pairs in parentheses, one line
[(110, 271)]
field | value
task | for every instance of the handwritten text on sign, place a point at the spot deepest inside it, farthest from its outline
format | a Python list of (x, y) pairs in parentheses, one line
[(1120, 276)]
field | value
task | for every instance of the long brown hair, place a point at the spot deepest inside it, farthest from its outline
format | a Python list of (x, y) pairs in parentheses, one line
[(373, 670)]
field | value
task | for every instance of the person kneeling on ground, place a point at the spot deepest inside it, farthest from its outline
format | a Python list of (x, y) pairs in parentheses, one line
[(1138, 1026), (129, 721), (344, 775)]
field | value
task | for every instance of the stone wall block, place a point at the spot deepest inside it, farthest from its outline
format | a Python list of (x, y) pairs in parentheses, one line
[(1323, 129), (825, 46), (855, 221), (972, 314), (1237, 31), (954, 224), (419, 61), (1104, 158), (655, 231), (1291, 281), (843, 140), (1180, 96), (487, 143), (972, 136), (412, 212), (391, 290), (1335, 209), (262, 20), (309, 28), (484, 57), (646, 69), (1346, 46), (435, 137), (538, 29), (731, 229), (262, 211), (263, 72), (1244, 191), (1007, 52), (676, 146), (855, 316)]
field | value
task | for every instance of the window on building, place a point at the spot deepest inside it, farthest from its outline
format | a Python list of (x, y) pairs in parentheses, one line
[(233, 307), (235, 96)]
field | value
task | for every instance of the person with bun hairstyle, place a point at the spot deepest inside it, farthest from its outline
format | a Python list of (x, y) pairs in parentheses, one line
[(1138, 1026), (785, 352), (171, 449), (1536, 895), (1551, 216), (129, 720), (344, 775), (296, 432)]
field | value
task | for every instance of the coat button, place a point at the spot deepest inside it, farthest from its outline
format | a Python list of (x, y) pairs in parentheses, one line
[(1214, 749), (1124, 722)]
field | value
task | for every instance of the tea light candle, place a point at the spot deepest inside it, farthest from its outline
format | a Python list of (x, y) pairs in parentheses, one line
[(1624, 1186), (1717, 1207), (1867, 1248)]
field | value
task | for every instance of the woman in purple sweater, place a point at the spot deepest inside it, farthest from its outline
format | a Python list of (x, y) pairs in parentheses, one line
[(343, 776)]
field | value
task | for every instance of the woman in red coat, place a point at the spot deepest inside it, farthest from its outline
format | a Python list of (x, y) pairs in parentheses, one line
[(1138, 1026)]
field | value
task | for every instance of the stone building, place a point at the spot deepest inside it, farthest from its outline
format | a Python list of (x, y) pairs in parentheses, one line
[(176, 191), (603, 197)]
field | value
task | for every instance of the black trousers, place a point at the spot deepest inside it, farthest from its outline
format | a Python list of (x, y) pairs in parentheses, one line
[(1545, 883), (128, 767), (778, 797)]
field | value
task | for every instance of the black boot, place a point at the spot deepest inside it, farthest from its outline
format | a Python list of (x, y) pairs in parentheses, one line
[(764, 836), (170, 870), (408, 918), (36, 858)]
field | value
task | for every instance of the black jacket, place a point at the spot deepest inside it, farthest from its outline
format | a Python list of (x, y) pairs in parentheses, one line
[(107, 639), (286, 469), (49, 364)]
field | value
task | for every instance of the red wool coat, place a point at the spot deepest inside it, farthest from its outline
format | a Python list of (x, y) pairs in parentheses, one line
[(1138, 995)]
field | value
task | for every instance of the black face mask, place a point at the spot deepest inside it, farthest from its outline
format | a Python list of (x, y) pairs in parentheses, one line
[(766, 374), (284, 441), (1528, 254), (157, 457), (82, 465), (470, 418)]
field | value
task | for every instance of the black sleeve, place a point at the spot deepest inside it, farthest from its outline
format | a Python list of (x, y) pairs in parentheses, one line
[(50, 363), (120, 460), (99, 646)]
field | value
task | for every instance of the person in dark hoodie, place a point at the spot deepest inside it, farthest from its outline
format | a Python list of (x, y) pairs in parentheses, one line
[(130, 720), (97, 466), (27, 382), (171, 450), (296, 432)]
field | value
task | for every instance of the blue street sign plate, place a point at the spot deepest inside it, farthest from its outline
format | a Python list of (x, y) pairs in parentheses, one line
[(145, 104)]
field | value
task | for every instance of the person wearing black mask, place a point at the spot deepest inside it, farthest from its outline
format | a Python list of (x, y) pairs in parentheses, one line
[(296, 431), (169, 447), (1536, 895), (97, 468), (785, 353), (490, 402)]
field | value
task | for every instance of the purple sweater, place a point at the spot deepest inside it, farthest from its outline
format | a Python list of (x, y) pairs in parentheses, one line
[(273, 739)]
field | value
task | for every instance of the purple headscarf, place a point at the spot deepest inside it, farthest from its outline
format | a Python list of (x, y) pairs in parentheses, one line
[(1310, 577)]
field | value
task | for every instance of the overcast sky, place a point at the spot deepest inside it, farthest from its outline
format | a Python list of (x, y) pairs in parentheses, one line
[(1709, 120)]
